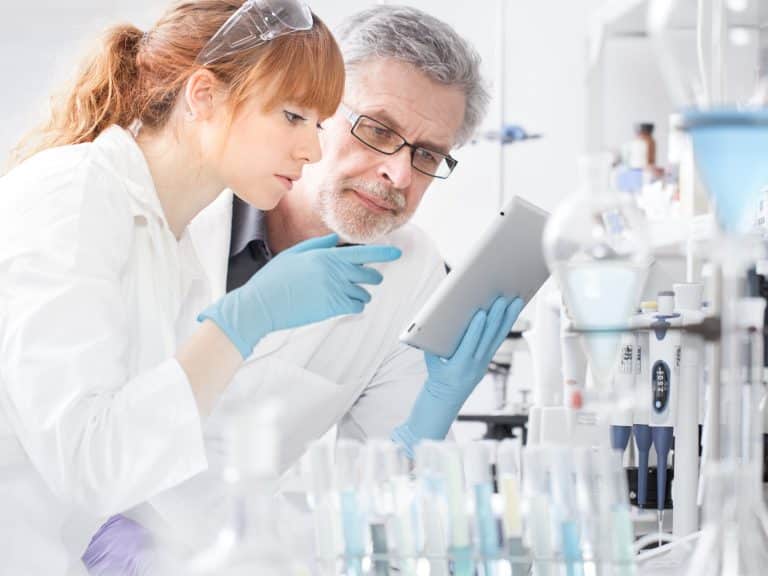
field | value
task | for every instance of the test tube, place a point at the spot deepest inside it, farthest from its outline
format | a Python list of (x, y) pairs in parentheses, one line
[(509, 474), (434, 506), (380, 465), (537, 515), (565, 509), (459, 536), (353, 521), (406, 533), (323, 501), (478, 457), (616, 531)]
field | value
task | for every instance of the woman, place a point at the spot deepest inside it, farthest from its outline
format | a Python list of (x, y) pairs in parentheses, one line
[(101, 400)]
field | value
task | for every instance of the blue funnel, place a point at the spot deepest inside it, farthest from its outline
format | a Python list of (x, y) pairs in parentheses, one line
[(731, 151)]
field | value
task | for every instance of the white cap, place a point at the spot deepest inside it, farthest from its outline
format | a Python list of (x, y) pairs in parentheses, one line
[(666, 302), (688, 296), (750, 312), (477, 461)]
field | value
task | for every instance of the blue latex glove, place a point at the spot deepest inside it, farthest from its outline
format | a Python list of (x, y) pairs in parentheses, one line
[(121, 546), (451, 381), (309, 282)]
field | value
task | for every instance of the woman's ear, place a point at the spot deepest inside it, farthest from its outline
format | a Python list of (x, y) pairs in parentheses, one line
[(200, 95)]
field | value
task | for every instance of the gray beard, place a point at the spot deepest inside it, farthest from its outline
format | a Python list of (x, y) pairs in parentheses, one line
[(352, 221)]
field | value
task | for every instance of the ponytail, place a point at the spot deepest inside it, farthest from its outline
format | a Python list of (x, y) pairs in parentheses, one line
[(106, 91), (138, 77)]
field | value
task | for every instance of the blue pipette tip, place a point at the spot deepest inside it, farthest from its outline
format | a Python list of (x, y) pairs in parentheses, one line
[(662, 441), (620, 436), (644, 440)]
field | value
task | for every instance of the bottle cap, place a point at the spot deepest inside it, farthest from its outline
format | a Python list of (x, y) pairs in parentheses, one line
[(666, 302), (689, 296)]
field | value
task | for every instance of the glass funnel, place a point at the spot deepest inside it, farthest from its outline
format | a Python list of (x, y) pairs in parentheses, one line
[(596, 247)]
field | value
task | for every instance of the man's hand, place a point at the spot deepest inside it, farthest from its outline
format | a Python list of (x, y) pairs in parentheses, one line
[(451, 381)]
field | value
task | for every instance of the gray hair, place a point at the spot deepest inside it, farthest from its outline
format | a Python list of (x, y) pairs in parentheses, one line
[(430, 45)]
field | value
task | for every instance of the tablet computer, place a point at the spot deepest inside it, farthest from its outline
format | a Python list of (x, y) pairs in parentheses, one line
[(507, 261)]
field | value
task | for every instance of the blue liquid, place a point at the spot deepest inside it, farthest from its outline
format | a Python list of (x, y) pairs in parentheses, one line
[(351, 519), (486, 522), (486, 526), (571, 549), (601, 295), (623, 539), (730, 150), (462, 561)]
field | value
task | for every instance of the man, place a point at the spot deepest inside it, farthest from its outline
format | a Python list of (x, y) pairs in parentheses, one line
[(413, 94)]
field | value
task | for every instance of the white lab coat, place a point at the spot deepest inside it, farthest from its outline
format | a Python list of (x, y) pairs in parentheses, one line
[(349, 371), (95, 414)]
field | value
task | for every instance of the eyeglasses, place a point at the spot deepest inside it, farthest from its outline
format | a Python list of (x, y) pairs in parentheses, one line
[(383, 139), (253, 24)]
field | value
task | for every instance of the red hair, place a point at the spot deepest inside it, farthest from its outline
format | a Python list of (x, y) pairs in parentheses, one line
[(139, 76)]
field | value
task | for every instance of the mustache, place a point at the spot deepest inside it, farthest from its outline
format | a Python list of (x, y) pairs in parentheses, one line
[(379, 190)]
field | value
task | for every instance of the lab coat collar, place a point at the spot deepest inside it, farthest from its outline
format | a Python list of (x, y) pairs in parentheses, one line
[(124, 155), (120, 148), (210, 233)]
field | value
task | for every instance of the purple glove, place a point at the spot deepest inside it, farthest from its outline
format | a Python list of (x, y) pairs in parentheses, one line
[(120, 547)]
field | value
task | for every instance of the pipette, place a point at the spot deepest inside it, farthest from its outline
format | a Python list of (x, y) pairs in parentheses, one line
[(623, 387), (665, 354)]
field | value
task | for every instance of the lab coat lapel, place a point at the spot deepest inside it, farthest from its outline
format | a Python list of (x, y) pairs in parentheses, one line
[(210, 231)]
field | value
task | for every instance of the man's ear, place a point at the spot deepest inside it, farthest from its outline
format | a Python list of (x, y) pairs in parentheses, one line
[(200, 93)]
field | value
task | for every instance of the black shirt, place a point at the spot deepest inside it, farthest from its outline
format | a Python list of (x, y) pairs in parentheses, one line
[(248, 250)]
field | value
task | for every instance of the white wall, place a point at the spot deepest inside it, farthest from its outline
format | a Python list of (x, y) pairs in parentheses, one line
[(40, 46)]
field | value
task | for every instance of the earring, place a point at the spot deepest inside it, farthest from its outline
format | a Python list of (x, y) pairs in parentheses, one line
[(189, 115)]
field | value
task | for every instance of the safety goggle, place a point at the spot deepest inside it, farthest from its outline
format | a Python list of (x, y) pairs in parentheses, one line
[(254, 23)]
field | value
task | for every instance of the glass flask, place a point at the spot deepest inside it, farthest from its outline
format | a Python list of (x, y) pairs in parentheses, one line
[(596, 246), (250, 541)]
